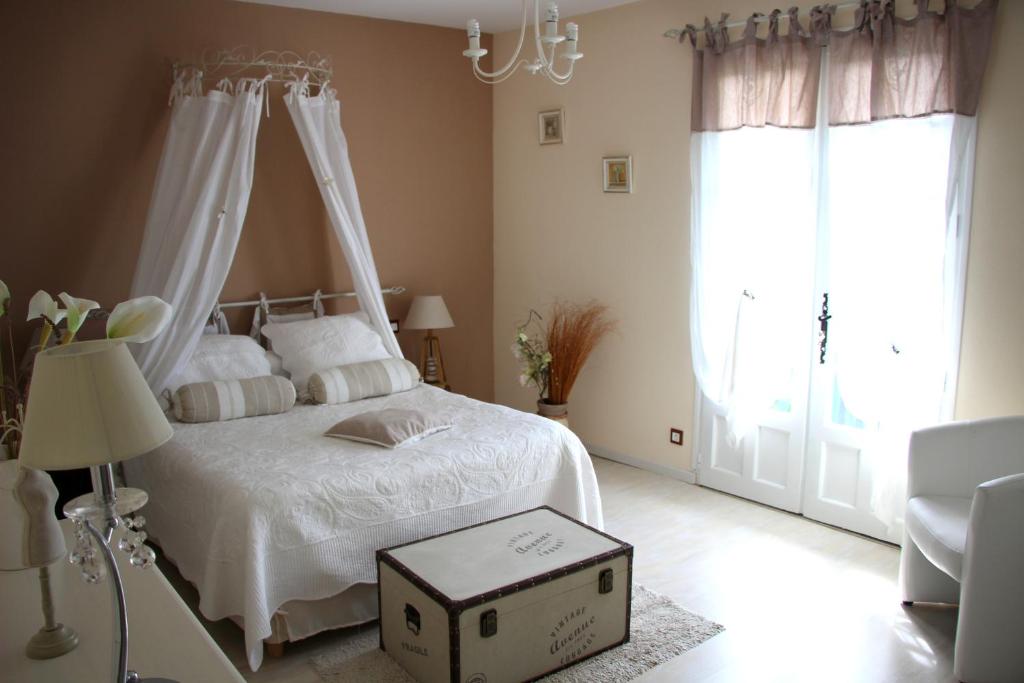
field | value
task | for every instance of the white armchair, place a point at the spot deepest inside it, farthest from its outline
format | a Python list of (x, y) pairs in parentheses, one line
[(964, 540)]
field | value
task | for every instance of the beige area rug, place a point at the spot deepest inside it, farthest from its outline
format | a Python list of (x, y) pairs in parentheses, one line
[(660, 630)]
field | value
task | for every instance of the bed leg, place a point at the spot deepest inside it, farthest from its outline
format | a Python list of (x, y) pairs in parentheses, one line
[(275, 649)]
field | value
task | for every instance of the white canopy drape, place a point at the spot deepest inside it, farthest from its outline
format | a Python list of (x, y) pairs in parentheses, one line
[(196, 215), (318, 122), (199, 205)]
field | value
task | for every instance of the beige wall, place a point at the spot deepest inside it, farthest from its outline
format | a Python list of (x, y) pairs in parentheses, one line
[(992, 351), (557, 235), (83, 123)]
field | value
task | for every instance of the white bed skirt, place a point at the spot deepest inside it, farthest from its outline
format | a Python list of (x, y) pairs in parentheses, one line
[(298, 619)]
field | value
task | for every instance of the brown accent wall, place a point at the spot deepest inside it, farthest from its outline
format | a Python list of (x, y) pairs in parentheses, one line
[(83, 122)]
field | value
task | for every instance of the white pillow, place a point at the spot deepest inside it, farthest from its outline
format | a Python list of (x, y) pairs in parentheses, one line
[(309, 346), (276, 367), (358, 315), (220, 357)]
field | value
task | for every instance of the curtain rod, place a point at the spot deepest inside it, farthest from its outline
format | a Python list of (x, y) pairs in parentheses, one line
[(674, 33), (302, 299)]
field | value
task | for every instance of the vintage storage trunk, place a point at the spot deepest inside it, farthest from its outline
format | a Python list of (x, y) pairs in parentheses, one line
[(509, 600)]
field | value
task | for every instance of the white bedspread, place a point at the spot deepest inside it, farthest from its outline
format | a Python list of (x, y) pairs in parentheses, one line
[(259, 511)]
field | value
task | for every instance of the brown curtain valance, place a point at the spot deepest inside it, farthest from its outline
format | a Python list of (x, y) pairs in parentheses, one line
[(887, 67), (757, 81), (884, 67)]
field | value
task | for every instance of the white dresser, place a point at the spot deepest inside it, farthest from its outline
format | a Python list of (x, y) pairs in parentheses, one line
[(164, 637)]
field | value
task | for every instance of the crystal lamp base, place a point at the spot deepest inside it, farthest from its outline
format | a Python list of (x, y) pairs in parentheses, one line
[(97, 516), (126, 501)]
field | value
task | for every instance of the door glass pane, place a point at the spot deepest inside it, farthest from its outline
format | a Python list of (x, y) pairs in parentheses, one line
[(841, 415)]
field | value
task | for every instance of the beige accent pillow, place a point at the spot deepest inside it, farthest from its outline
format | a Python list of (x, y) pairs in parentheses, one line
[(390, 428), (227, 400), (363, 380)]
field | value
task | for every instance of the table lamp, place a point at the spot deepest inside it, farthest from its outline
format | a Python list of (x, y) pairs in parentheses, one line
[(90, 406), (429, 313), (31, 538)]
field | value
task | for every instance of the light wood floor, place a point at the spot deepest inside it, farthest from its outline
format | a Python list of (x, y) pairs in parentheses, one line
[(800, 601)]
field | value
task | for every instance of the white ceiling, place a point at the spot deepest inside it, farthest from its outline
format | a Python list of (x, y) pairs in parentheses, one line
[(494, 15)]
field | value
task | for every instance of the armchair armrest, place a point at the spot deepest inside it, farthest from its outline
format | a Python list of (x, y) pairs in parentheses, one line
[(997, 513), (954, 459), (992, 595)]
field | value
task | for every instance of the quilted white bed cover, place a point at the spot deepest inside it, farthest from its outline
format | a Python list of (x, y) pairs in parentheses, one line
[(259, 511)]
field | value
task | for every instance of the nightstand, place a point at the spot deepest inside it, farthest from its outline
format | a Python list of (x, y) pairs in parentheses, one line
[(165, 639)]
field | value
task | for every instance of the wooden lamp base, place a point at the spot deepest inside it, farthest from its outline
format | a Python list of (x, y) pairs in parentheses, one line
[(432, 362)]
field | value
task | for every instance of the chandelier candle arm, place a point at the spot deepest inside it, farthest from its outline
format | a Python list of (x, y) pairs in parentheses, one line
[(473, 26), (473, 31), (542, 62), (572, 39), (551, 25), (551, 29)]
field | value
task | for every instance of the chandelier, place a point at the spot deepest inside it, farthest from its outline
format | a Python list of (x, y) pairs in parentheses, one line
[(545, 45)]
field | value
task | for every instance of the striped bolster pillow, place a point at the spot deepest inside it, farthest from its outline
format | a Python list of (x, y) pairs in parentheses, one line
[(229, 399), (363, 380)]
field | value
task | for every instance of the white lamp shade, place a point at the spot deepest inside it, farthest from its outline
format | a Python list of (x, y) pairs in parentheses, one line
[(89, 404), (428, 313), (29, 533)]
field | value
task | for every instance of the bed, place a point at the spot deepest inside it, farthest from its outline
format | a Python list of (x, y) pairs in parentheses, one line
[(277, 525)]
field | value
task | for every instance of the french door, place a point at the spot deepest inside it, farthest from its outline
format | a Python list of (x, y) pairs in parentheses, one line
[(876, 339), (807, 454)]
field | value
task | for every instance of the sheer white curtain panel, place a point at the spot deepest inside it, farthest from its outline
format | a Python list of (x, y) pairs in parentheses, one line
[(195, 216), (318, 122), (752, 258), (898, 249)]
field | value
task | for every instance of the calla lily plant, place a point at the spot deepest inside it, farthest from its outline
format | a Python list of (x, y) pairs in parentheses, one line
[(43, 306), (137, 320), (77, 311)]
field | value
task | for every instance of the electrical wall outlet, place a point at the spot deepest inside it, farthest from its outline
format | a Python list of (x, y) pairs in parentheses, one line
[(675, 436)]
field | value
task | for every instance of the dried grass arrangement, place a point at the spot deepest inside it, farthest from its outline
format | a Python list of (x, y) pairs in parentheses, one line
[(574, 331)]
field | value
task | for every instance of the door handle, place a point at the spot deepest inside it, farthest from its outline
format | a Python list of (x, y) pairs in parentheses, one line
[(823, 334)]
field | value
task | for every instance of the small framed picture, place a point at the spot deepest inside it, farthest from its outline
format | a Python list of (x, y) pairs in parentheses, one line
[(551, 127), (618, 174), (394, 325)]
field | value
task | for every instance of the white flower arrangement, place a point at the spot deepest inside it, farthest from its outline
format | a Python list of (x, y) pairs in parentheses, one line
[(533, 356)]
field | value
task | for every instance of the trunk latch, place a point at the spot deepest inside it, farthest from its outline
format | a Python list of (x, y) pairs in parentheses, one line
[(488, 623), (412, 619)]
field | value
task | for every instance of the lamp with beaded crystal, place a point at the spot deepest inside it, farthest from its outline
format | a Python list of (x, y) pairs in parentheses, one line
[(429, 313), (90, 406)]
